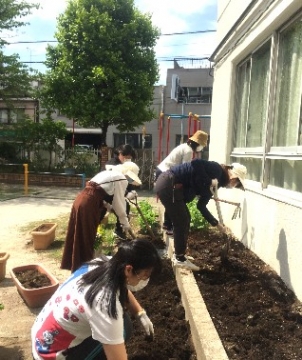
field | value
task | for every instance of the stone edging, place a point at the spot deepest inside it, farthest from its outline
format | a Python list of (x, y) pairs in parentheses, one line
[(207, 343)]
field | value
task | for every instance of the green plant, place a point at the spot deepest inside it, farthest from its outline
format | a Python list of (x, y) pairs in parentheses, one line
[(150, 215), (198, 222), (1, 306), (105, 239)]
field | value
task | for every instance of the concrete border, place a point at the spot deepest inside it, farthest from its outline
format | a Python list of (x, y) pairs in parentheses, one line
[(207, 343)]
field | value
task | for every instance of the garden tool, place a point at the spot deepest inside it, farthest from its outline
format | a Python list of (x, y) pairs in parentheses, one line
[(225, 247), (134, 202), (237, 211)]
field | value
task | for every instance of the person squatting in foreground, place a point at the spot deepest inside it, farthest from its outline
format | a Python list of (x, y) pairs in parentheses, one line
[(88, 317), (123, 153), (181, 184), (90, 206), (179, 155)]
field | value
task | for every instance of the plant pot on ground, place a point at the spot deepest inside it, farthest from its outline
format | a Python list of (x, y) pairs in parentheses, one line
[(34, 283), (3, 259), (43, 235)]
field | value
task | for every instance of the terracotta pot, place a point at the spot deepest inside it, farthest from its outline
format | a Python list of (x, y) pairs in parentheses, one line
[(43, 235), (39, 296), (3, 259)]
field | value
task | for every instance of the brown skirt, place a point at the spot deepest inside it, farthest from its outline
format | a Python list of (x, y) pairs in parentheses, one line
[(82, 227)]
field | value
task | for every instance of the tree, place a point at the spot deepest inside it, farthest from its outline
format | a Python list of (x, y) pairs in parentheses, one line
[(103, 70), (14, 77)]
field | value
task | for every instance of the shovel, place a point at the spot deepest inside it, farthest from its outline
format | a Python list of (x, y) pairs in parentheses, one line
[(134, 202), (226, 246)]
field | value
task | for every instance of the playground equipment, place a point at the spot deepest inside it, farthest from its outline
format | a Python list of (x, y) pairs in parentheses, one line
[(194, 124)]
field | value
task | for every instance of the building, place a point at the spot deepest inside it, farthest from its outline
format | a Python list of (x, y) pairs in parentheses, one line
[(257, 121)]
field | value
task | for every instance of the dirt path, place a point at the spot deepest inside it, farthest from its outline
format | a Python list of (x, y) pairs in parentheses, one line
[(16, 319)]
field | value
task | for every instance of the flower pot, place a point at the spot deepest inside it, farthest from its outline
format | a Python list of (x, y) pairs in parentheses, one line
[(35, 297), (3, 259), (43, 235)]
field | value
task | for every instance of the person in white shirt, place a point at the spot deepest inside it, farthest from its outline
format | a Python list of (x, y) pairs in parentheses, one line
[(179, 155), (106, 187), (88, 317)]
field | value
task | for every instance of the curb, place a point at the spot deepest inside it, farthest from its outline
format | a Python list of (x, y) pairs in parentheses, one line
[(206, 340)]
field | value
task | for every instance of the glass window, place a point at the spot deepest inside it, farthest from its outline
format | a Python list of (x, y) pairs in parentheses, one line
[(4, 116), (137, 141), (268, 110)]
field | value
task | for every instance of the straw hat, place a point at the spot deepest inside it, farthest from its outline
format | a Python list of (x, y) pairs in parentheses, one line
[(240, 172), (129, 169), (200, 137)]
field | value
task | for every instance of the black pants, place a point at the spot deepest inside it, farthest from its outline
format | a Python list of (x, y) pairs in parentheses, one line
[(92, 349), (172, 197), (167, 221)]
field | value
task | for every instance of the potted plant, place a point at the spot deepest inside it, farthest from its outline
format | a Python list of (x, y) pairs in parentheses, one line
[(34, 283), (43, 235), (3, 259)]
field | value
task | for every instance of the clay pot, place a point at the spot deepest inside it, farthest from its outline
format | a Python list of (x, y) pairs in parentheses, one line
[(3, 259), (43, 235), (35, 297)]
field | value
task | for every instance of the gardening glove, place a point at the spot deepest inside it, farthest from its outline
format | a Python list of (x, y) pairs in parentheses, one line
[(131, 195), (222, 228), (214, 184), (126, 227), (107, 206), (145, 322)]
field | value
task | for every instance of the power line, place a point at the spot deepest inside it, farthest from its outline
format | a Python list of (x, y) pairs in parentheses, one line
[(169, 34)]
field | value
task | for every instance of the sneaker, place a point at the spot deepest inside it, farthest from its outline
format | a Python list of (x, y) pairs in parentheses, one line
[(169, 232), (186, 264), (119, 233)]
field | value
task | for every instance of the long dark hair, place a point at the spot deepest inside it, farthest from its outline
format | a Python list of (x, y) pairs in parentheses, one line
[(110, 275)]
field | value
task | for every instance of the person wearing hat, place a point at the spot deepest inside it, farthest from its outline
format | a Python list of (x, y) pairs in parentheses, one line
[(179, 155), (181, 184), (107, 187)]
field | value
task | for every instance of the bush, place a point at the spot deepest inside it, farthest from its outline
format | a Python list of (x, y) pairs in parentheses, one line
[(198, 222)]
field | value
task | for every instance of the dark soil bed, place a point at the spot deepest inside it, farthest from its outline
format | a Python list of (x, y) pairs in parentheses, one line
[(256, 315), (162, 302), (32, 279)]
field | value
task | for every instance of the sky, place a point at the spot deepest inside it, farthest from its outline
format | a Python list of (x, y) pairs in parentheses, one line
[(170, 16)]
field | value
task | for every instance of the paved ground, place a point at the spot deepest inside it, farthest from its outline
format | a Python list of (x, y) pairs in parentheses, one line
[(42, 204)]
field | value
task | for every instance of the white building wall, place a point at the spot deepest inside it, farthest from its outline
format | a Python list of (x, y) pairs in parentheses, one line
[(270, 225)]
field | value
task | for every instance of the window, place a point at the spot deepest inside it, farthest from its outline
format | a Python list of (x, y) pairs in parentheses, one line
[(8, 116), (268, 110), (137, 141), (195, 95)]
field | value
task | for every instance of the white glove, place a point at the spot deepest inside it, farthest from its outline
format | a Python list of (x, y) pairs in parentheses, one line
[(222, 228), (145, 322), (131, 195), (107, 206), (126, 227), (214, 183)]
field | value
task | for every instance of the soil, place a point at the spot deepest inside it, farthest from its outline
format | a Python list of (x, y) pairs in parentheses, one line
[(43, 227), (32, 279), (256, 315)]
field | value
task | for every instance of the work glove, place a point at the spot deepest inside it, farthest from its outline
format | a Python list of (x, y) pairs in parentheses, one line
[(107, 206), (146, 323), (126, 227), (214, 183), (131, 195), (223, 229)]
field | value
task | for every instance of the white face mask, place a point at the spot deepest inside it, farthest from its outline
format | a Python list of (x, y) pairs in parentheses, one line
[(141, 284), (199, 148)]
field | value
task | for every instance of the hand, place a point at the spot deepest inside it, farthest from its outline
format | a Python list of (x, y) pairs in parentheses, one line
[(126, 227), (214, 183), (131, 195), (145, 322), (107, 206), (222, 228)]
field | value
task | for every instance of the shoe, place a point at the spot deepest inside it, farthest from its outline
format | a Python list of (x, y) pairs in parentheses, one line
[(186, 264), (119, 233), (169, 232)]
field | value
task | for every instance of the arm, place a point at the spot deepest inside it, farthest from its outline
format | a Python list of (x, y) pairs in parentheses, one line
[(202, 207), (115, 352), (119, 202)]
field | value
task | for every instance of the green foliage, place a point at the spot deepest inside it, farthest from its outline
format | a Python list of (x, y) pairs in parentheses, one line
[(150, 215), (14, 77), (103, 70), (105, 239), (197, 220), (1, 306)]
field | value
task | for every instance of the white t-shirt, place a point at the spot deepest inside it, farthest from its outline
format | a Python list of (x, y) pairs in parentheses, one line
[(66, 320), (179, 155), (114, 183)]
